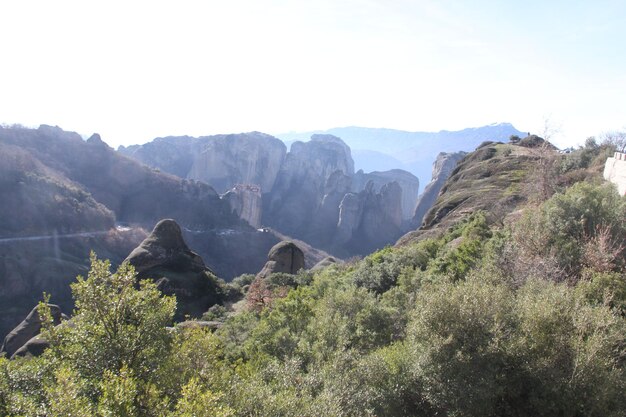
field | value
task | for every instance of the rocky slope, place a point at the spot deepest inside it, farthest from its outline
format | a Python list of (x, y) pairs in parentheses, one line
[(494, 178), (442, 168)]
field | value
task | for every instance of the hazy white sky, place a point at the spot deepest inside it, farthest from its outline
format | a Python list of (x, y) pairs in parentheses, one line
[(133, 70)]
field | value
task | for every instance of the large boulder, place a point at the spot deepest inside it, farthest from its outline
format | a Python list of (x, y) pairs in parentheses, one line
[(32, 348), (28, 329), (285, 257), (324, 263), (165, 258)]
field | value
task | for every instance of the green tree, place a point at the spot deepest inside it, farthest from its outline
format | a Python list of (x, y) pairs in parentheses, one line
[(118, 323)]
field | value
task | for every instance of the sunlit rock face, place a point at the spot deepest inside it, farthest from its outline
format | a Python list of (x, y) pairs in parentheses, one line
[(615, 171), (246, 201), (369, 219), (222, 161)]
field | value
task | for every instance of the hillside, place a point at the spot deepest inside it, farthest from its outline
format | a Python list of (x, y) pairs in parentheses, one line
[(495, 179), (500, 306), (62, 196)]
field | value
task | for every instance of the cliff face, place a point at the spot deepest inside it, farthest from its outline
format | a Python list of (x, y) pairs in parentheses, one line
[(221, 160), (301, 190), (246, 201), (615, 171), (369, 219), (442, 168), (407, 182), (300, 186)]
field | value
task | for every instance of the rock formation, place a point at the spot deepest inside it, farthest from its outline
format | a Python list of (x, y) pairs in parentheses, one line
[(284, 257), (615, 171), (407, 182), (492, 179), (27, 330), (369, 219), (324, 263), (164, 257), (442, 168), (246, 201), (301, 191), (34, 347), (221, 160), (300, 186)]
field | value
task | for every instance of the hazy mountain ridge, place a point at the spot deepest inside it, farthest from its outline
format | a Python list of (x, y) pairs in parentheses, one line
[(415, 150)]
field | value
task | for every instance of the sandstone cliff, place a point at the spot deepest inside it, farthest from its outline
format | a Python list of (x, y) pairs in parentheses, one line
[(368, 220), (246, 201), (221, 160), (407, 182), (300, 185)]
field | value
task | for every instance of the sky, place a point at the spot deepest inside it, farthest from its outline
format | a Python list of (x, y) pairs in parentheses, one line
[(132, 70)]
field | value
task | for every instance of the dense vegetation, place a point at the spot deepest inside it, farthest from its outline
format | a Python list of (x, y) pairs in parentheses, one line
[(523, 317)]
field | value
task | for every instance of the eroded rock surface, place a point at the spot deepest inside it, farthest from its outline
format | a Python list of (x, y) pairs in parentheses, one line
[(407, 182), (165, 258), (284, 257), (28, 329)]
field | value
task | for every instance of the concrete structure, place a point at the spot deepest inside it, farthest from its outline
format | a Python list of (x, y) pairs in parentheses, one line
[(615, 171)]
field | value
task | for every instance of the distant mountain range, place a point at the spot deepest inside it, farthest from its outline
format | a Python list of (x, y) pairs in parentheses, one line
[(383, 149)]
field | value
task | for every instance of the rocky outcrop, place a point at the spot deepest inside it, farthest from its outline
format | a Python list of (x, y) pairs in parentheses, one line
[(301, 183), (246, 201), (324, 263), (369, 219), (442, 168), (165, 258), (285, 257), (407, 182), (33, 348), (27, 330), (615, 171), (492, 179), (221, 160)]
